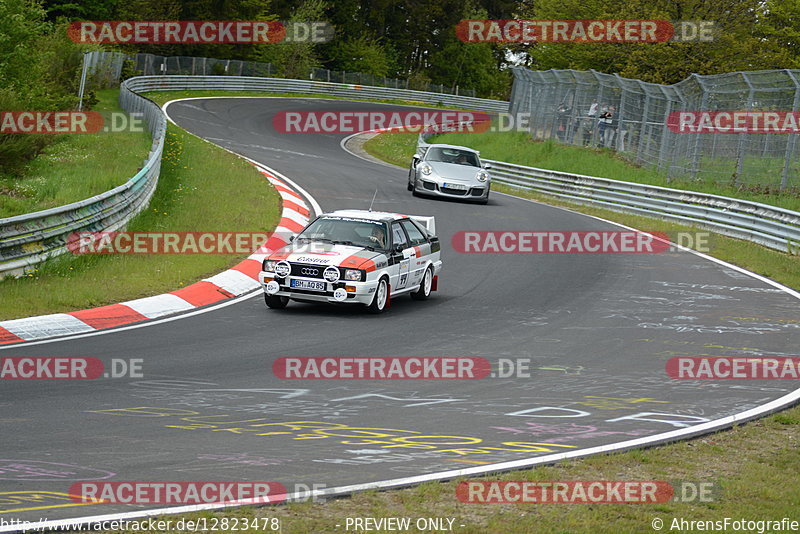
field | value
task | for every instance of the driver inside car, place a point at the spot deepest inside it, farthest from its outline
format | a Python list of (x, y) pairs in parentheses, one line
[(378, 236)]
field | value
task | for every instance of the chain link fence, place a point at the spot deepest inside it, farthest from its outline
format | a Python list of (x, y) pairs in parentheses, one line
[(105, 65), (573, 107)]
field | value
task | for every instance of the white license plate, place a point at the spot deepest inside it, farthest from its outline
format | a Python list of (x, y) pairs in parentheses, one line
[(455, 186), (306, 284)]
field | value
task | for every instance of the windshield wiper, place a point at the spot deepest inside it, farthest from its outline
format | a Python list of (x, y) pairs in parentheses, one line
[(351, 244), (320, 239)]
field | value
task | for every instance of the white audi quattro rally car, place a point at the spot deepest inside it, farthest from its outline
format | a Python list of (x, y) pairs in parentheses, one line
[(355, 256)]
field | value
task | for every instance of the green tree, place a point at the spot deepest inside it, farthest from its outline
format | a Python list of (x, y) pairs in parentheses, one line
[(780, 23), (295, 59), (80, 10), (21, 24), (39, 67), (737, 44), (361, 54)]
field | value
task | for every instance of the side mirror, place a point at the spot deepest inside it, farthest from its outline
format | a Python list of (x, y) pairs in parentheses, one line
[(398, 248), (291, 238), (487, 166)]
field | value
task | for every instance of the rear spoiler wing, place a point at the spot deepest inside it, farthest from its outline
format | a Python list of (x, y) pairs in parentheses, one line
[(428, 222)]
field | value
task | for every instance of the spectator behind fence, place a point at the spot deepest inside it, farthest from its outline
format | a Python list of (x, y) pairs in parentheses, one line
[(611, 127), (563, 122), (586, 124), (601, 125)]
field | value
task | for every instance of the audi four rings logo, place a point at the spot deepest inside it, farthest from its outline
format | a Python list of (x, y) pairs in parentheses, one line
[(309, 271)]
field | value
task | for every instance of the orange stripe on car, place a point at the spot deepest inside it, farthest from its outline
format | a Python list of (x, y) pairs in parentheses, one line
[(357, 262)]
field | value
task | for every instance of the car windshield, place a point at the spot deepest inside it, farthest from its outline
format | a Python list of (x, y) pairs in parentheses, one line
[(345, 231), (452, 155)]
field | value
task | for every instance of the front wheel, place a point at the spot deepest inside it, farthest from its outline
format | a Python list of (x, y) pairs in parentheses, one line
[(275, 302), (425, 287), (381, 299)]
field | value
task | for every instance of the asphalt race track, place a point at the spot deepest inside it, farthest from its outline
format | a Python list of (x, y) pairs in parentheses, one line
[(597, 329)]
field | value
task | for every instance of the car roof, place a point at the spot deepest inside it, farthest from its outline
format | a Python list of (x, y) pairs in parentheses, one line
[(365, 214), (454, 146)]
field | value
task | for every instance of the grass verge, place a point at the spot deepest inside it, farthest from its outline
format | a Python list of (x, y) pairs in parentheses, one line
[(202, 188), (75, 167)]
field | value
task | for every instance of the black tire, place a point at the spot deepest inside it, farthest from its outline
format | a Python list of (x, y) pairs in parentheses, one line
[(424, 291), (381, 299), (410, 185), (275, 303)]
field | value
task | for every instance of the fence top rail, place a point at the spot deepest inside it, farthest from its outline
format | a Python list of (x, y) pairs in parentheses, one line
[(557, 76), (169, 78)]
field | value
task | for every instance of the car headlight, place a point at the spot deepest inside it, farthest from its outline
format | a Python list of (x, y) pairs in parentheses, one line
[(426, 169), (268, 265), (282, 269), (352, 274), (331, 274), (483, 176)]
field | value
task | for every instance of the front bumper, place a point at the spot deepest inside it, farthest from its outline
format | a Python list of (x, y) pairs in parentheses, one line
[(434, 187), (363, 292)]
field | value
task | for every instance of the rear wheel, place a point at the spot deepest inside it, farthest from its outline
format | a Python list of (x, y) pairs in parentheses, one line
[(425, 287), (275, 302), (381, 298)]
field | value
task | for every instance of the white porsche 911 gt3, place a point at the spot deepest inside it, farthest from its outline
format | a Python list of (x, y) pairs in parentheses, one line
[(355, 256)]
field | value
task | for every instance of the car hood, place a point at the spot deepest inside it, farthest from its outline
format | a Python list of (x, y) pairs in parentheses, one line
[(324, 254), (454, 171)]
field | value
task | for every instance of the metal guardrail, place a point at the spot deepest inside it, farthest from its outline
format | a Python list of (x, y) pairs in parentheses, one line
[(285, 85), (29, 239), (770, 226)]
